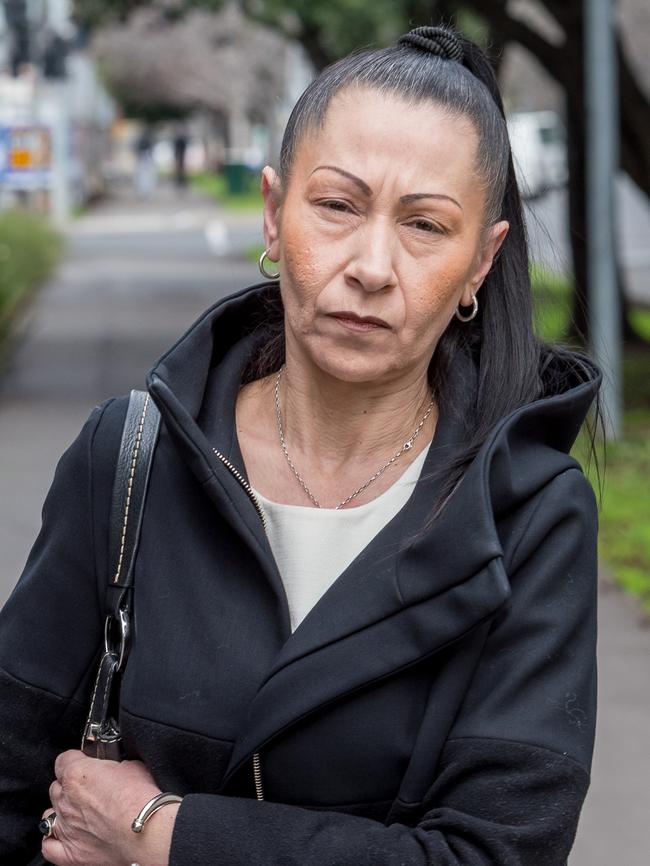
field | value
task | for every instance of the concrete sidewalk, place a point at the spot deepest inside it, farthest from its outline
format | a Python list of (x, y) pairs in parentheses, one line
[(615, 822), (135, 276)]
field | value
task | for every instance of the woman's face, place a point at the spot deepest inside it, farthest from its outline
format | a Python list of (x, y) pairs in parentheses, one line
[(382, 218)]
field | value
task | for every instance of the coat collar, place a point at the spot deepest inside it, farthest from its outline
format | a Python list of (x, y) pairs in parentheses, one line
[(400, 599)]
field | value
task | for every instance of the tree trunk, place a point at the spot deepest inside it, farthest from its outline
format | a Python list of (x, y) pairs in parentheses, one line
[(574, 89), (565, 65), (630, 336)]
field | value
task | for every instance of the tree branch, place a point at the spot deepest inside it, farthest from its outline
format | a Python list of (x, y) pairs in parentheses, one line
[(635, 123), (552, 57)]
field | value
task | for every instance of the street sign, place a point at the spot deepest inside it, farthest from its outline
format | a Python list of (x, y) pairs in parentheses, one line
[(25, 156)]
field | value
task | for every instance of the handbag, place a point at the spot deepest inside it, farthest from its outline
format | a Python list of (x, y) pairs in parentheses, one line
[(102, 737)]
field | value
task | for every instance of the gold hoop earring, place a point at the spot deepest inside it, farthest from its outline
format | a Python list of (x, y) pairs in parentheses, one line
[(469, 318), (263, 270)]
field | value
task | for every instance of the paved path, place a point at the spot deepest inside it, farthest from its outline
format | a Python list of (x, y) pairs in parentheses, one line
[(135, 276), (615, 823)]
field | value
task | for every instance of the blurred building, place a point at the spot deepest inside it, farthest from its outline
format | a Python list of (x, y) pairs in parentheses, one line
[(55, 114)]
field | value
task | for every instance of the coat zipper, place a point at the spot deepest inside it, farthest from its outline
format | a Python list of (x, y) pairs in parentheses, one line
[(257, 769)]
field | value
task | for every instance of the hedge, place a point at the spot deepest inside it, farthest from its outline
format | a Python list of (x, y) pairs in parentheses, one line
[(30, 250)]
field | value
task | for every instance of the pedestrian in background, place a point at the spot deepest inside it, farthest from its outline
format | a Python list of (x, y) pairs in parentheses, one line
[(180, 150), (144, 178)]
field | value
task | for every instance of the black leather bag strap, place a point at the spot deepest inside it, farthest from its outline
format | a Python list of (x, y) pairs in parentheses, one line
[(130, 486), (101, 738), (132, 472)]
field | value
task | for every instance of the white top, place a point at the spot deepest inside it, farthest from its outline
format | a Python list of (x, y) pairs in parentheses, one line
[(313, 546)]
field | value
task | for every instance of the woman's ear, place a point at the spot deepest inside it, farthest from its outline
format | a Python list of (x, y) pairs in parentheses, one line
[(272, 195), (494, 237)]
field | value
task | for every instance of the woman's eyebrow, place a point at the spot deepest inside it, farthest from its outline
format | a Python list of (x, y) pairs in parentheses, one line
[(365, 189), (363, 186), (416, 196)]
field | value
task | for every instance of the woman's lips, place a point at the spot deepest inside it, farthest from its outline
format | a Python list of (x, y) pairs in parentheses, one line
[(356, 323)]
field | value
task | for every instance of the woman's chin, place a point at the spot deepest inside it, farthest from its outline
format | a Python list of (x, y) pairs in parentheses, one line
[(357, 367)]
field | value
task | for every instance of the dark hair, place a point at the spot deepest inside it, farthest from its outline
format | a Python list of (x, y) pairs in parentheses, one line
[(501, 337)]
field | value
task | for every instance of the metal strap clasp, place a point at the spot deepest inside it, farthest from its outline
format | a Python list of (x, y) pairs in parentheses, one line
[(119, 647)]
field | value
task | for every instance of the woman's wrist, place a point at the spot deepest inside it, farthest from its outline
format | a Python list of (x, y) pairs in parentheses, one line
[(157, 802), (156, 838), (150, 846)]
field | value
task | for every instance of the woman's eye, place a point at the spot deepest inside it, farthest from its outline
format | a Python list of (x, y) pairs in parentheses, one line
[(333, 204), (426, 226)]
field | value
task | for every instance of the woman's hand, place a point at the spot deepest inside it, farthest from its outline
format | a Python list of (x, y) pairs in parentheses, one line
[(95, 802)]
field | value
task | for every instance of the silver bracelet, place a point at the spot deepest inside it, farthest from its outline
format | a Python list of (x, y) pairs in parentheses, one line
[(152, 806)]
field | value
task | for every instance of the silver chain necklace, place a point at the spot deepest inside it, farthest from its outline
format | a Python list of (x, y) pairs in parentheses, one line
[(405, 447)]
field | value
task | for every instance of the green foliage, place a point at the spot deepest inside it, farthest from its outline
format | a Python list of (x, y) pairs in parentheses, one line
[(624, 466), (553, 294), (640, 321), (636, 380), (624, 534), (216, 186), (212, 184), (552, 302), (330, 30), (473, 26), (29, 251), (93, 13), (253, 253)]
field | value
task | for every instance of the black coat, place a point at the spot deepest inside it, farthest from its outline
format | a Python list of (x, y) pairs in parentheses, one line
[(436, 706)]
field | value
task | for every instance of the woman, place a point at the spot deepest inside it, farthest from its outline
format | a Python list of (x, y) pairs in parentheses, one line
[(332, 663)]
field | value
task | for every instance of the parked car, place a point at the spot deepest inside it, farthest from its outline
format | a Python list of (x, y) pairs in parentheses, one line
[(538, 141)]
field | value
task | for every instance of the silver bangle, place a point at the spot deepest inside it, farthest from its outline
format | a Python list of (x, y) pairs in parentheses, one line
[(152, 806)]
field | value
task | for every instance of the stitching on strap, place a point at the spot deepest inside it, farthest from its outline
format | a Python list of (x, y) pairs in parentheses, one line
[(92, 700), (136, 450)]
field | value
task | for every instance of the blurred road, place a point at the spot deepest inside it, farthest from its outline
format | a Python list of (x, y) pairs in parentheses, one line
[(135, 276)]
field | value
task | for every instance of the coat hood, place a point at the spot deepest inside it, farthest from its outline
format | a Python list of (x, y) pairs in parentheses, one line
[(425, 591), (196, 381)]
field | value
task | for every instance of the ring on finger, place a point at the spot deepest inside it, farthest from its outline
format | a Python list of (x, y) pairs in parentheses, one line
[(46, 825)]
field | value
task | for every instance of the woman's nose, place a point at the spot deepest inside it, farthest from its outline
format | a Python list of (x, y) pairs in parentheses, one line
[(371, 264)]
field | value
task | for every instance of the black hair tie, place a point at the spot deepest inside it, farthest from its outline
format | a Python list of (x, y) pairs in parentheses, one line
[(437, 40)]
